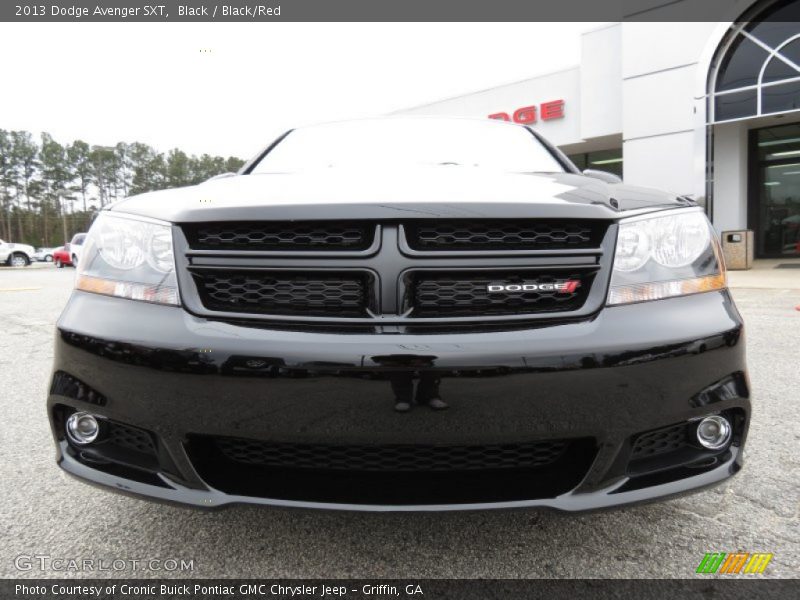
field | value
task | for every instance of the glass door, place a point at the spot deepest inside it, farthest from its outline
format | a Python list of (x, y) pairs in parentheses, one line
[(777, 210)]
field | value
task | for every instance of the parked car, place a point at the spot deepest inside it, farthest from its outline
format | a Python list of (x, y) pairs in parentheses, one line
[(44, 254), (15, 255), (63, 257), (75, 246), (402, 314)]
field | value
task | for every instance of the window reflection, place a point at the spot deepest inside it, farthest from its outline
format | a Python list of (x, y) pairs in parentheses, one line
[(779, 191), (759, 73), (601, 160)]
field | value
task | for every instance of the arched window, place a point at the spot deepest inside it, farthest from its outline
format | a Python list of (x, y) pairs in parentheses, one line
[(759, 69)]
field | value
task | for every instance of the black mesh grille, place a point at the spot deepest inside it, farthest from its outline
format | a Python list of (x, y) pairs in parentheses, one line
[(278, 236), (502, 235), (391, 457), (129, 438), (284, 293), (660, 441), (468, 293)]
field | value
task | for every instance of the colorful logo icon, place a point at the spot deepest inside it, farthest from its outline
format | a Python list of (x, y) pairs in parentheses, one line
[(735, 563)]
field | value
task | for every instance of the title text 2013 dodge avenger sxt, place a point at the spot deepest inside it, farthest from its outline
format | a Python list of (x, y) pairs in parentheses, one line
[(402, 314)]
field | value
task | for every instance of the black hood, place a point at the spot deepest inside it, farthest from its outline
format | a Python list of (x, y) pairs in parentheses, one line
[(408, 193)]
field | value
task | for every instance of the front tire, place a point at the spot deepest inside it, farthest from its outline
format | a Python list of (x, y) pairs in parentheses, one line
[(74, 261), (59, 264), (18, 260)]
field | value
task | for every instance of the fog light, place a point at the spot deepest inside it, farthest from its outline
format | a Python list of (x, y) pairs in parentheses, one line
[(82, 428), (714, 432)]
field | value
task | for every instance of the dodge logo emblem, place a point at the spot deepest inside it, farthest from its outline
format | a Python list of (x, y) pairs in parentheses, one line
[(562, 287)]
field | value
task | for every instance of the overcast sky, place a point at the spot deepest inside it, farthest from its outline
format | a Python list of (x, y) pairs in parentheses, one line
[(229, 88)]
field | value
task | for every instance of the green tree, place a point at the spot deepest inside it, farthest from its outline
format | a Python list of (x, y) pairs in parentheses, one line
[(149, 169), (104, 166), (37, 181), (6, 181), (206, 166), (179, 171), (25, 161), (56, 177), (78, 155), (233, 164), (122, 167)]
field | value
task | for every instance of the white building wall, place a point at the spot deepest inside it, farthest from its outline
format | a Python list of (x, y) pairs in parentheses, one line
[(664, 71), (730, 176), (592, 94), (659, 80), (662, 46), (561, 85), (601, 82)]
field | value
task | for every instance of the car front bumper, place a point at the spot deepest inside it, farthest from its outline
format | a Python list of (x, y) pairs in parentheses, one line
[(596, 385)]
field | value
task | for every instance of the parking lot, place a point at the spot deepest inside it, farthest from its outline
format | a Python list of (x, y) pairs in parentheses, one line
[(47, 513)]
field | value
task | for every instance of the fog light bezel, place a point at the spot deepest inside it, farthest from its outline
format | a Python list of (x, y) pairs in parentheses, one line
[(70, 428), (725, 426)]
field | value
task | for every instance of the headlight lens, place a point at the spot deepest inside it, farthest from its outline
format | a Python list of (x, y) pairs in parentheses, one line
[(678, 241), (665, 256), (130, 258)]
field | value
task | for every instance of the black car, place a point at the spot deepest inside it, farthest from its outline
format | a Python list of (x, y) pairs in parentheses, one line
[(402, 314)]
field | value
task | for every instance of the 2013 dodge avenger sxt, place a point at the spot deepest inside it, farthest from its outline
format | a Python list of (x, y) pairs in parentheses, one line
[(402, 314)]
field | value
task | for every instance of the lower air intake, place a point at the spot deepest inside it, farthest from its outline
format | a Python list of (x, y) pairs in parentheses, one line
[(392, 457), (660, 441), (392, 474)]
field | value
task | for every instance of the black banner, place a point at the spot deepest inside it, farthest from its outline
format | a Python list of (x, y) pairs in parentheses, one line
[(373, 10), (704, 587)]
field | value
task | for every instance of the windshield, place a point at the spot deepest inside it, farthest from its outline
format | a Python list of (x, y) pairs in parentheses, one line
[(386, 142)]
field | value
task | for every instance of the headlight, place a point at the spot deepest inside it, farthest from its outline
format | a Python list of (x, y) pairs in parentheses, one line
[(129, 257), (665, 256)]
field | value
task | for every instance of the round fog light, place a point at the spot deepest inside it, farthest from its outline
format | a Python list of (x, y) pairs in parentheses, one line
[(82, 428), (714, 432)]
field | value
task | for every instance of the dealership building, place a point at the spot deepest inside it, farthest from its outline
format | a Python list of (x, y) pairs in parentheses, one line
[(705, 109)]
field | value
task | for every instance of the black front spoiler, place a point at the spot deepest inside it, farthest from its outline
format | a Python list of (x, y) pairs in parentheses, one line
[(173, 492)]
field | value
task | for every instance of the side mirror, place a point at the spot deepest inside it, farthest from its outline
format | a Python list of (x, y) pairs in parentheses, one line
[(603, 176)]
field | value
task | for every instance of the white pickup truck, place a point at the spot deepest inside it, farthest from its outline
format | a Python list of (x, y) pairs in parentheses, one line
[(16, 255)]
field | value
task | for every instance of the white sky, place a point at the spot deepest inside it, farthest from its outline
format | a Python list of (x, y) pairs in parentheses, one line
[(105, 83)]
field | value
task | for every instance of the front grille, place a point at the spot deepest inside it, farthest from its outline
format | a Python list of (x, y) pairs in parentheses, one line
[(433, 294), (396, 458), (380, 274), (281, 236), (284, 293), (502, 235), (660, 441)]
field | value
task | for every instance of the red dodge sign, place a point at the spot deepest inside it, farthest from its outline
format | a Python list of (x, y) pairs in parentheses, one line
[(528, 114)]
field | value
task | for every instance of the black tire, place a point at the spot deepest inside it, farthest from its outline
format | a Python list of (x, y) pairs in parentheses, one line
[(59, 264), (74, 261), (48, 258), (18, 260)]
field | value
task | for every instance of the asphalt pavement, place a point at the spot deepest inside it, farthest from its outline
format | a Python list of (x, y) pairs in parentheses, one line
[(47, 514)]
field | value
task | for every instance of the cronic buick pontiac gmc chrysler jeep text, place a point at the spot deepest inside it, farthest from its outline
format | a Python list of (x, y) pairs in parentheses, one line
[(402, 314)]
